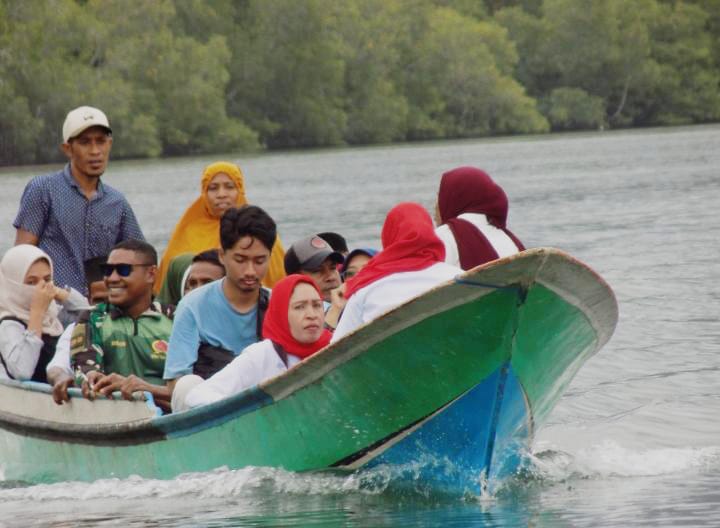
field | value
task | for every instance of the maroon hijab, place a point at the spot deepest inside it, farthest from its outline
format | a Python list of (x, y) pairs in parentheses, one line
[(471, 190)]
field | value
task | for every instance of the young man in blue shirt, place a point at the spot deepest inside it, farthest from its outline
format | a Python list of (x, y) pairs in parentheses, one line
[(71, 214), (215, 322)]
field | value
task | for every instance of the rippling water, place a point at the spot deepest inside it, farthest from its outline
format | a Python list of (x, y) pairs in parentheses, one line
[(635, 440)]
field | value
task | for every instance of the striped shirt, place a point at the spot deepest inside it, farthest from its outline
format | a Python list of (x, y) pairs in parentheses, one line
[(71, 228)]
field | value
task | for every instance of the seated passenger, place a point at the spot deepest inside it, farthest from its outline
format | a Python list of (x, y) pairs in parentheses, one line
[(204, 269), (471, 213), (336, 240), (121, 348), (293, 330), (29, 324), (410, 263), (314, 257), (222, 186), (216, 322), (171, 289), (97, 289), (355, 261)]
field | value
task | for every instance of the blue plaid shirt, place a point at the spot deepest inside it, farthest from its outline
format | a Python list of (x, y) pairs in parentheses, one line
[(72, 228)]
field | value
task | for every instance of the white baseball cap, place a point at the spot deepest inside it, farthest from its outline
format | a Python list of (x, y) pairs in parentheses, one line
[(82, 118)]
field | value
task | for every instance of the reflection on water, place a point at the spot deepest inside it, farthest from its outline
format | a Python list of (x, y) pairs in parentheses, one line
[(635, 440)]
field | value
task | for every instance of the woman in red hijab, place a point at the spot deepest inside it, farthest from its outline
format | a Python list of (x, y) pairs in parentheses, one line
[(293, 329), (471, 213), (410, 263)]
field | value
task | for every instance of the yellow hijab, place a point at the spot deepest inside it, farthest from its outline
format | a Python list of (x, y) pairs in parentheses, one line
[(198, 229)]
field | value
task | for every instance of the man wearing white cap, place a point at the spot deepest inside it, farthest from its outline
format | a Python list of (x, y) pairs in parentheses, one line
[(71, 214)]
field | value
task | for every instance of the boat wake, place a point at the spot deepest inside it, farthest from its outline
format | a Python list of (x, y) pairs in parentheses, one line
[(606, 460), (610, 460)]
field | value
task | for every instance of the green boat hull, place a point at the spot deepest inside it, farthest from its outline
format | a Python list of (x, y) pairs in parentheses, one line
[(539, 314)]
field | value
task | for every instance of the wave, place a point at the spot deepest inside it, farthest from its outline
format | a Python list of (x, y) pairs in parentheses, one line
[(609, 459), (605, 460)]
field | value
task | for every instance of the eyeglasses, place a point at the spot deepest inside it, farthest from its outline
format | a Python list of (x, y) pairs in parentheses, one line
[(124, 270)]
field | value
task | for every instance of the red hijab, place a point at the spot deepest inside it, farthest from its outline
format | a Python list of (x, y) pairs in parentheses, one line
[(471, 190), (409, 244), (276, 325)]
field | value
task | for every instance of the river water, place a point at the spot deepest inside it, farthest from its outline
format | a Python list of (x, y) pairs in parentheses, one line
[(636, 439)]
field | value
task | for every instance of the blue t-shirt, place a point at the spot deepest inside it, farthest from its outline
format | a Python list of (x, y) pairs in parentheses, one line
[(206, 316)]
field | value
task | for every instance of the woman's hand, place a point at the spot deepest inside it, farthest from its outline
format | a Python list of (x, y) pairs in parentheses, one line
[(43, 294), (61, 294)]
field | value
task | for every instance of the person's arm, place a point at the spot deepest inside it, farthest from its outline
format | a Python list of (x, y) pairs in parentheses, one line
[(129, 226), (183, 344), (59, 374), (338, 302), (32, 216), (20, 349), (351, 317), (23, 236), (255, 364), (43, 294)]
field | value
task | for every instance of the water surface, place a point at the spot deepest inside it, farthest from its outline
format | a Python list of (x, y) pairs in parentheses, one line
[(636, 439)]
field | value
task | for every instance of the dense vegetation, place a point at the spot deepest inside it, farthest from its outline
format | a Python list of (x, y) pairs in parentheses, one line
[(201, 76)]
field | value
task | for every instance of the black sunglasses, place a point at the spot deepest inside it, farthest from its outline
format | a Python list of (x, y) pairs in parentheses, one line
[(124, 270)]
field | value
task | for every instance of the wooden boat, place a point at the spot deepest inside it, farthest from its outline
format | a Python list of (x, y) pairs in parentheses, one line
[(455, 381)]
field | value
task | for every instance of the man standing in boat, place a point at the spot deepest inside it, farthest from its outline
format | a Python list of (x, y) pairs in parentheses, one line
[(216, 322), (71, 214)]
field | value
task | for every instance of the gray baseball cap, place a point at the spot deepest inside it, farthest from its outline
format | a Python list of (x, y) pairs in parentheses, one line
[(308, 254)]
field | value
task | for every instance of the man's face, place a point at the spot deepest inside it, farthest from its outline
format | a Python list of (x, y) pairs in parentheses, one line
[(97, 292), (202, 273), (246, 264), (89, 152), (126, 291), (326, 277)]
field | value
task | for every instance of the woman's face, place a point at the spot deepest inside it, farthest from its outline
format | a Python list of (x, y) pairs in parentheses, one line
[(357, 263), (38, 272), (222, 194), (305, 314)]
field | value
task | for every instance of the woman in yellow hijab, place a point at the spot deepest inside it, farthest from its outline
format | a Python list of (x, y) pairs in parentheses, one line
[(222, 187)]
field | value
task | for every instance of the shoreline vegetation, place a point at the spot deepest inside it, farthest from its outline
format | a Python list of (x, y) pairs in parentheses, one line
[(192, 77)]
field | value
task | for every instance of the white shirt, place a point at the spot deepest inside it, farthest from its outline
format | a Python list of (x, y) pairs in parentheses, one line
[(499, 239), (385, 294), (257, 363), (20, 348), (61, 359)]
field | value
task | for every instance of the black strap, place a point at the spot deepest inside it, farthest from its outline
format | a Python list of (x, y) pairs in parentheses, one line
[(262, 305), (2, 359), (281, 353)]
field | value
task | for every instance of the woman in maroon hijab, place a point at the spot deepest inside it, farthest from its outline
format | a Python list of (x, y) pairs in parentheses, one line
[(471, 214)]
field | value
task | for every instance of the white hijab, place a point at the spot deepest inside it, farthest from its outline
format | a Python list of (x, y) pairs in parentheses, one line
[(15, 296)]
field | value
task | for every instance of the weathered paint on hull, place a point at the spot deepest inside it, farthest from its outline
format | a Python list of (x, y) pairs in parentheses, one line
[(444, 355)]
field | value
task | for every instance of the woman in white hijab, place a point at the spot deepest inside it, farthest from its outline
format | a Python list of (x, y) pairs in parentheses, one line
[(29, 324)]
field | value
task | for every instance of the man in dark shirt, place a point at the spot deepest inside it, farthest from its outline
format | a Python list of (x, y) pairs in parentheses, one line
[(71, 214)]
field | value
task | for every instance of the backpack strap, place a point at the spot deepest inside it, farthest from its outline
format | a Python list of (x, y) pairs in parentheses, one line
[(282, 354), (2, 359), (262, 305)]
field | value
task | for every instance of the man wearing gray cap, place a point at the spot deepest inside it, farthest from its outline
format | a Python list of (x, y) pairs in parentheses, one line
[(71, 214), (314, 257)]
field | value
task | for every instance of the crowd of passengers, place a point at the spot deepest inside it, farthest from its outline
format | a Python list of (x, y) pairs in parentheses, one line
[(84, 301)]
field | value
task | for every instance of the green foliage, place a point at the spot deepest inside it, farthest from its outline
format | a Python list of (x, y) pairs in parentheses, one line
[(573, 108), (202, 76)]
